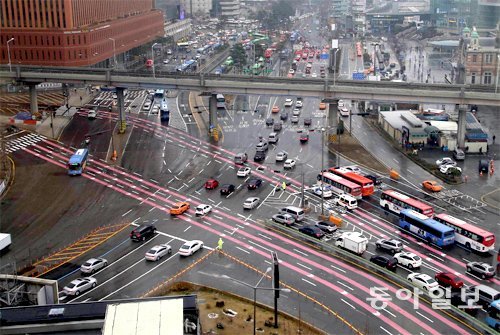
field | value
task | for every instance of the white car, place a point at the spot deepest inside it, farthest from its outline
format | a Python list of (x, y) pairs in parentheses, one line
[(251, 203), (190, 247), (294, 119), (423, 281), (291, 71), (93, 265), (408, 259), (447, 169), (243, 171), (288, 103), (326, 192), (203, 209), (281, 156), (446, 161), (353, 168), (296, 112), (156, 109), (298, 104), (289, 164), (80, 285), (92, 114), (157, 252), (166, 61), (314, 75), (341, 103)]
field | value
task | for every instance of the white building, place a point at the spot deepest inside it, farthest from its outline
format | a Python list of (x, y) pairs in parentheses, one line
[(178, 29), (197, 7), (230, 8)]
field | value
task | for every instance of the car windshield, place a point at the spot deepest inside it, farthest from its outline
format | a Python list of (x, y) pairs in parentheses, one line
[(71, 285), (185, 247), (87, 264)]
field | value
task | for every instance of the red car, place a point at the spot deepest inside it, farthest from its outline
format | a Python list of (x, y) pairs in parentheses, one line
[(447, 279), (211, 184), (304, 138)]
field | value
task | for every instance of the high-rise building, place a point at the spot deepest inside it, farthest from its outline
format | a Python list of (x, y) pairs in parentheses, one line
[(196, 7), (74, 32), (230, 8)]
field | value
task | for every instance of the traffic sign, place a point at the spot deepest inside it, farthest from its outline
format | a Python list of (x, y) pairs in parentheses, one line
[(358, 76)]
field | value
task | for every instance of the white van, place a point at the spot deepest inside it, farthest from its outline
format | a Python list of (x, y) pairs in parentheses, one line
[(273, 138), (347, 201), (147, 106), (297, 213), (344, 111)]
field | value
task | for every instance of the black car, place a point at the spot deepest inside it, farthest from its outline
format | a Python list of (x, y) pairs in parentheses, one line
[(386, 262), (312, 231), (465, 301), (142, 232), (259, 156), (307, 121), (227, 189), (284, 116), (484, 166), (278, 126), (376, 181), (254, 183), (269, 121)]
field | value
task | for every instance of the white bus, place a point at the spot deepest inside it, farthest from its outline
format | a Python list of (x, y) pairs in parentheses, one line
[(221, 101)]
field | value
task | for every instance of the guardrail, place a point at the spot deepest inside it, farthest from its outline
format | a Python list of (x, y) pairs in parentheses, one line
[(355, 260)]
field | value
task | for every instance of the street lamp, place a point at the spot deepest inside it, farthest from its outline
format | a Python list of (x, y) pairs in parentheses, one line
[(255, 288), (153, 58), (322, 165), (497, 74), (335, 64), (8, 52), (114, 50)]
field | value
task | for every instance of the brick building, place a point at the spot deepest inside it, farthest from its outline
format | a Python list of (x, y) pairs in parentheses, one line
[(482, 57), (74, 32)]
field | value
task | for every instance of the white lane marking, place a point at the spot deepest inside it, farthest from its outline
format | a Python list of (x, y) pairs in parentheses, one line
[(424, 317), (338, 269), (305, 267), (307, 281), (243, 250), (385, 310), (388, 332), (266, 237), (345, 302), (300, 252), (185, 230), (127, 212), (346, 286)]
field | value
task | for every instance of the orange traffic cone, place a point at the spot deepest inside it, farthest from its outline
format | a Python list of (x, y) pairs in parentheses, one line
[(114, 156)]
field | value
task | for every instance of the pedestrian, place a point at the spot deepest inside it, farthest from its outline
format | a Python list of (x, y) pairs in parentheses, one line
[(220, 243), (494, 138), (466, 178)]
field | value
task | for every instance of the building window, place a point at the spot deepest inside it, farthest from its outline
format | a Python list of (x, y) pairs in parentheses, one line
[(474, 58), (473, 78), (488, 58), (487, 78)]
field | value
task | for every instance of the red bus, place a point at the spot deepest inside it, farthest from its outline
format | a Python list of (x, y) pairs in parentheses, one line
[(340, 185), (304, 54), (149, 63), (395, 202), (359, 49), (470, 236), (365, 183), (268, 53)]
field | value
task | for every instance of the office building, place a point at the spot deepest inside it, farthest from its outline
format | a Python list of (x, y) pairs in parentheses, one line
[(74, 32), (196, 8)]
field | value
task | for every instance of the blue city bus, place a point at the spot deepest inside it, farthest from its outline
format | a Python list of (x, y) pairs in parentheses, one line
[(493, 317), (426, 228), (164, 110), (77, 162)]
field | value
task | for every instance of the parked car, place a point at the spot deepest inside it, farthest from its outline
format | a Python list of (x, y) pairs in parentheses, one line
[(449, 169), (259, 156), (423, 281), (304, 138), (211, 184), (157, 252), (179, 208), (251, 203), (289, 164), (325, 191), (390, 263), (227, 189), (80, 285), (93, 265), (92, 114), (484, 166), (190, 247), (278, 126), (483, 270), (447, 161), (322, 106), (243, 171), (202, 209), (432, 185), (326, 226), (447, 279), (296, 112), (269, 121), (285, 219), (312, 231), (408, 259), (142, 232), (262, 146), (254, 183), (281, 156), (390, 245)]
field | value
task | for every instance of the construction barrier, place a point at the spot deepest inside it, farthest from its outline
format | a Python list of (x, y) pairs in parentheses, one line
[(336, 220)]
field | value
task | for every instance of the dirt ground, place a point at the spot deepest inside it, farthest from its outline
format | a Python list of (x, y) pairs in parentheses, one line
[(242, 322)]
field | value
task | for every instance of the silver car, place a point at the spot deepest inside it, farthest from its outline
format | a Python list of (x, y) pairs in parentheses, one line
[(93, 265), (285, 219), (483, 270), (157, 252), (80, 285), (251, 203), (392, 246)]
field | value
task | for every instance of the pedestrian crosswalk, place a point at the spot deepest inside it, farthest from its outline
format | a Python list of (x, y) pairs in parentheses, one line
[(23, 141)]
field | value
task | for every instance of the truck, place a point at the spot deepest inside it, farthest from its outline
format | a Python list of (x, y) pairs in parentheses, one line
[(352, 242), (5, 241)]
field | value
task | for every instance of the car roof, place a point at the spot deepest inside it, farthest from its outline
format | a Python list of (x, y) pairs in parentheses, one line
[(192, 242)]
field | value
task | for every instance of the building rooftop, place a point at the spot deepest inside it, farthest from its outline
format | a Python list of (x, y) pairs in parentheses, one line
[(404, 118)]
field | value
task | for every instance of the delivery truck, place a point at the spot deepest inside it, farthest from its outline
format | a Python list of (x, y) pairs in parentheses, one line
[(352, 242), (5, 242)]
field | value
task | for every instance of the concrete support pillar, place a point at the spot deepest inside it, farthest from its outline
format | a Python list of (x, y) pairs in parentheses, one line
[(33, 99), (462, 110), (122, 123), (212, 112)]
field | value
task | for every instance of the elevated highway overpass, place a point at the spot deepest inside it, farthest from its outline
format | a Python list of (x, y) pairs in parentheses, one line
[(381, 91)]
